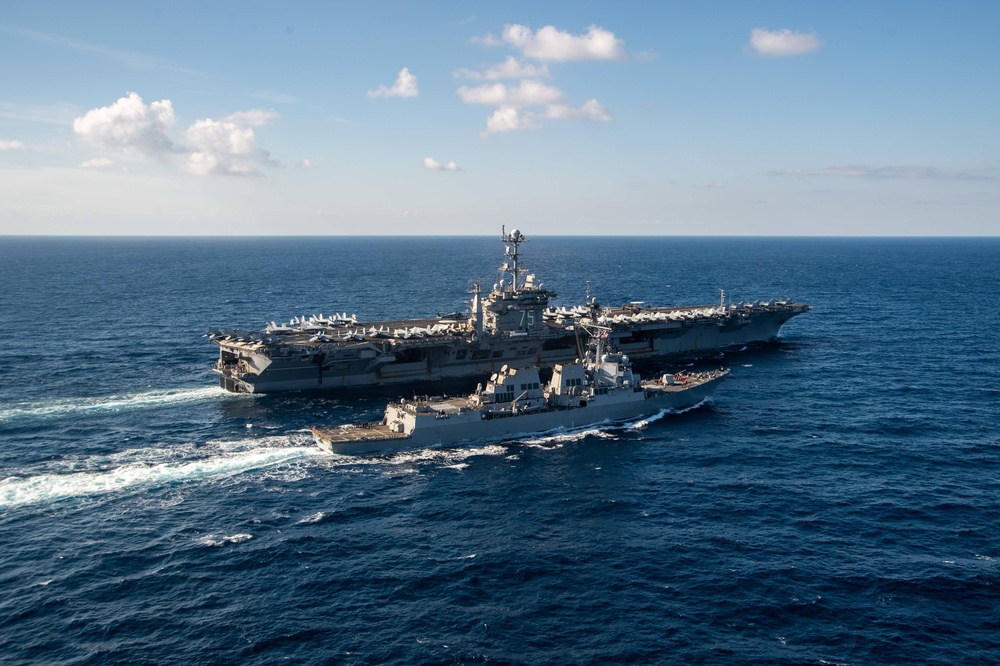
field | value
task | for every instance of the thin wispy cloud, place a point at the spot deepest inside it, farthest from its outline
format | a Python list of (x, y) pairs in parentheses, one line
[(434, 165), (511, 68), (405, 86), (128, 58), (886, 173), (275, 98), (11, 144), (98, 163), (781, 43), (48, 114), (590, 110)]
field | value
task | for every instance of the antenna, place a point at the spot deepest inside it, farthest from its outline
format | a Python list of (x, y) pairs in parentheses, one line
[(512, 243)]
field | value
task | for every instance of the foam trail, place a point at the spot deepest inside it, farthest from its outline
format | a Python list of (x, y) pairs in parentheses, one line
[(112, 403), (563, 435), (445, 455), (642, 423), (48, 488), (601, 430)]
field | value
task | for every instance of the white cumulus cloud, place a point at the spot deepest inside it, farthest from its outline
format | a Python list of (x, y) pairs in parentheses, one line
[(405, 86), (511, 68), (224, 146), (526, 93), (434, 165), (131, 126), (550, 43), (521, 106), (11, 145), (509, 119), (515, 103), (98, 163), (783, 42)]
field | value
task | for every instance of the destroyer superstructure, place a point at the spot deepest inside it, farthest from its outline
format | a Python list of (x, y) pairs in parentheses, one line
[(599, 387), (512, 325)]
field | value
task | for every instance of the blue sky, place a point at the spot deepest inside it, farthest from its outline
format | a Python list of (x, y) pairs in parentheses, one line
[(647, 118)]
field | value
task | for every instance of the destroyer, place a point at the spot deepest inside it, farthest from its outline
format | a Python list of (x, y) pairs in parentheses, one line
[(512, 325), (602, 387)]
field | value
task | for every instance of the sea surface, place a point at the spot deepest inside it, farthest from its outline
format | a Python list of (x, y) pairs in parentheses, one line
[(837, 501)]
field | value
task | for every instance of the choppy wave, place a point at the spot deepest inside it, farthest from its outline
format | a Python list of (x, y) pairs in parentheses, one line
[(16, 491), (217, 540), (112, 403)]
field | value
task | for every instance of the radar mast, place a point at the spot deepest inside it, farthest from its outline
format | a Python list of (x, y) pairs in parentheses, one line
[(512, 252)]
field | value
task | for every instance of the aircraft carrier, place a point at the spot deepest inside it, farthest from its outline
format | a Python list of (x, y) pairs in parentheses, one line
[(511, 325)]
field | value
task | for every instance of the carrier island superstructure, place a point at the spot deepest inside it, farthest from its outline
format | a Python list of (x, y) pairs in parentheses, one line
[(511, 325)]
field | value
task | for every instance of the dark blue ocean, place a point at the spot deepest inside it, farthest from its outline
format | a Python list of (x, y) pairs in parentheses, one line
[(837, 502)]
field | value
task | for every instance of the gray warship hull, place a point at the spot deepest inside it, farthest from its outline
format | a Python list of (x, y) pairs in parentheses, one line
[(601, 387), (512, 325), (244, 367), (464, 428)]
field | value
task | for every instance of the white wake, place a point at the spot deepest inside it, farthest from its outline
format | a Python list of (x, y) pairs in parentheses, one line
[(642, 423), (603, 430), (560, 436), (451, 457), (113, 403), (18, 491)]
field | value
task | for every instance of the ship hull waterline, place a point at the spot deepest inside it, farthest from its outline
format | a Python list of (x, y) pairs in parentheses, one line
[(277, 374), (471, 428)]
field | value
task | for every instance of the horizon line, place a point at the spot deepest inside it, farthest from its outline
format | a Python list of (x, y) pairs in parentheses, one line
[(581, 235)]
